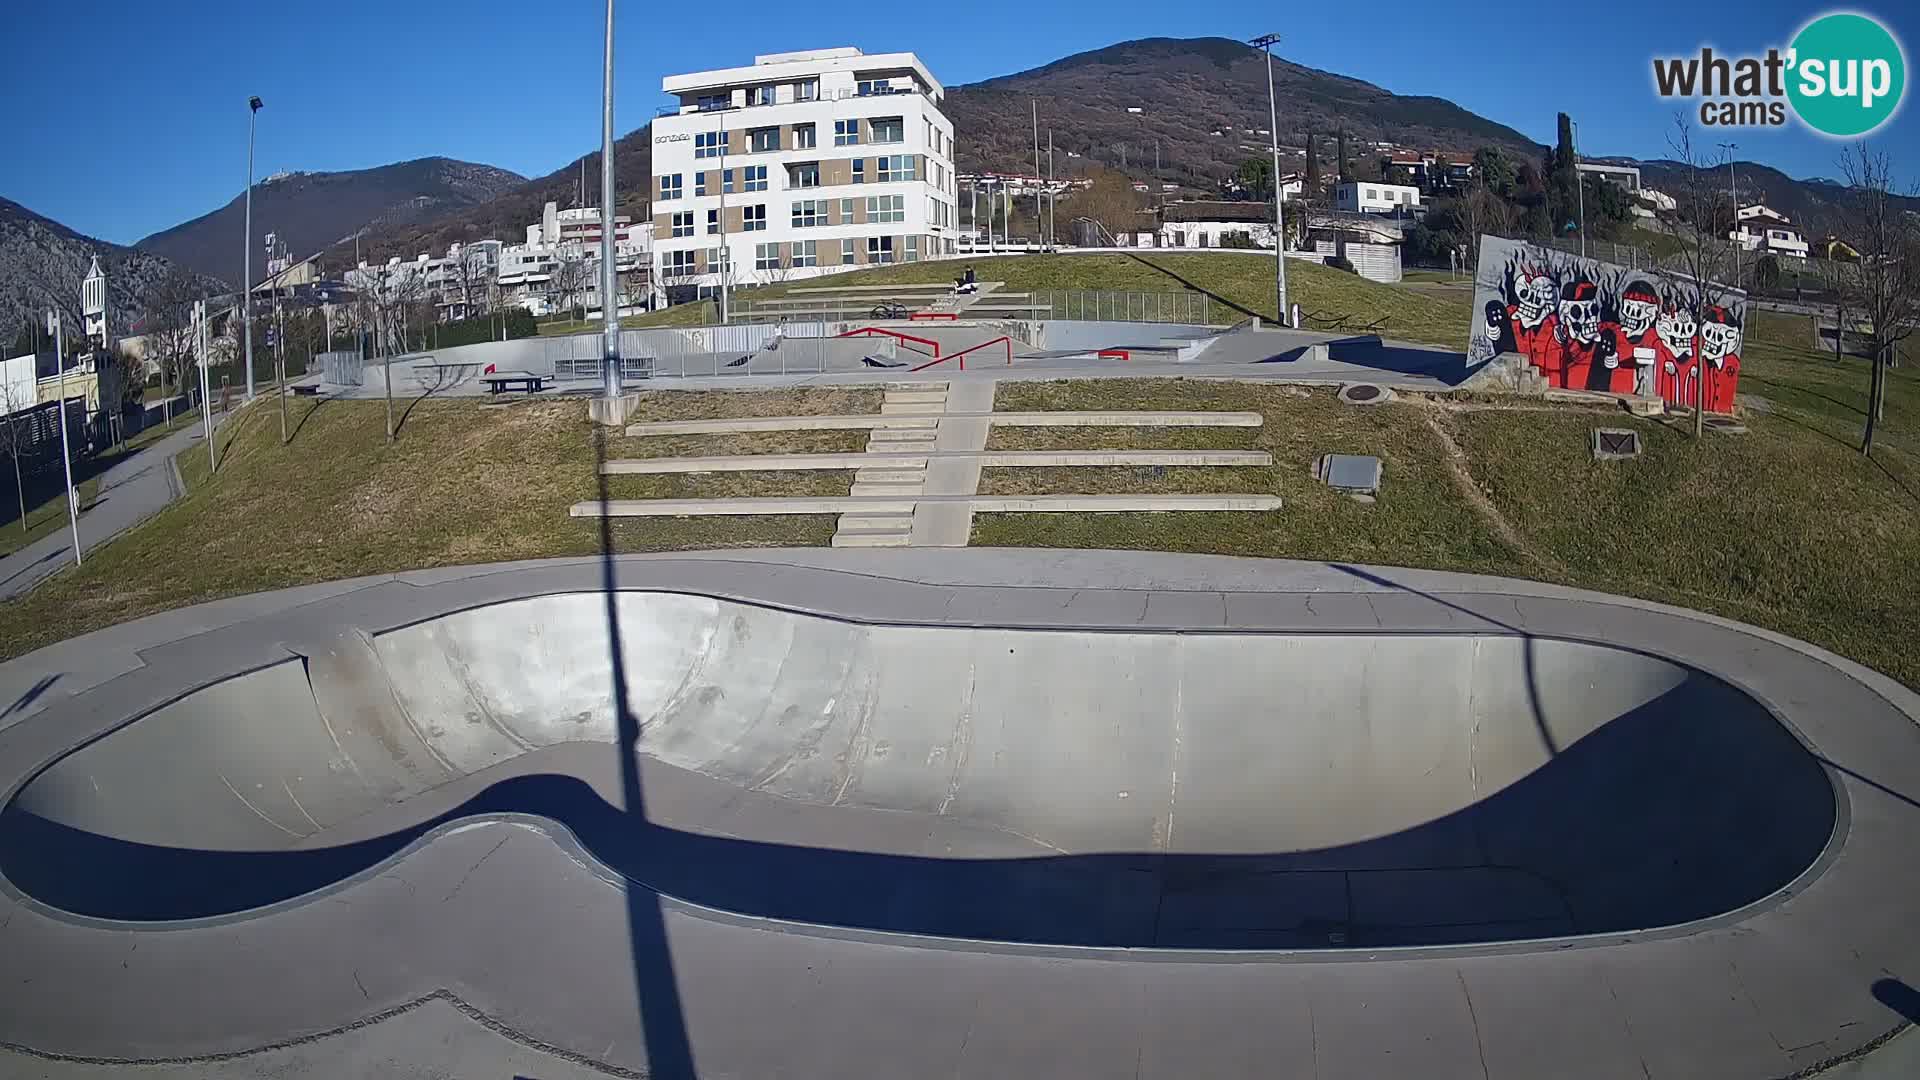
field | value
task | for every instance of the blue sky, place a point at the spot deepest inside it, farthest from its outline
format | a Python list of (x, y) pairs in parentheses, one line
[(124, 117)]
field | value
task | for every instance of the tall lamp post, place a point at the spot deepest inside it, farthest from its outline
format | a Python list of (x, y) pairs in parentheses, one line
[(1579, 185), (1733, 193), (609, 304), (246, 286), (1265, 43)]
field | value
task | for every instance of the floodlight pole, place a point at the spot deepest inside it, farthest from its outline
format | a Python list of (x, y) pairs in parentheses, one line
[(246, 286), (1265, 43), (609, 304), (66, 454)]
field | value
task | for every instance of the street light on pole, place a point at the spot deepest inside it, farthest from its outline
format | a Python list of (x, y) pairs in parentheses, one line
[(246, 286), (1579, 185), (1265, 43), (66, 455), (1733, 193), (609, 303)]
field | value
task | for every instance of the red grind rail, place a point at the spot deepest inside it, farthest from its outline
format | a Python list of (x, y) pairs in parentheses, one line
[(932, 316), (1114, 354), (870, 331), (962, 354)]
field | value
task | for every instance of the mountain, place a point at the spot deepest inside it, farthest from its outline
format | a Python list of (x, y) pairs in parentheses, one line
[(1186, 89), (506, 215), (42, 263), (312, 211), (1814, 204)]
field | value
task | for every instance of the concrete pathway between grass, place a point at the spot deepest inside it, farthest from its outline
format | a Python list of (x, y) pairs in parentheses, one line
[(130, 492)]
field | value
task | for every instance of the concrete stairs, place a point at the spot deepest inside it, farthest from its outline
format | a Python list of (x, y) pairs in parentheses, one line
[(869, 529)]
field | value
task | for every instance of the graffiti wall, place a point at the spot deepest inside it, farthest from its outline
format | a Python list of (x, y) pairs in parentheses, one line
[(1591, 325)]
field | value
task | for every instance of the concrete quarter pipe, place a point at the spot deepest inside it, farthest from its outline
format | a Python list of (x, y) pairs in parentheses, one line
[(1066, 770)]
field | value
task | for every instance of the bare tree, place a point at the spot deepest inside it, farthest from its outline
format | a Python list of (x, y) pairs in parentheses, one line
[(1705, 252), (1885, 286), (398, 294), (13, 439), (472, 278), (170, 334), (1483, 211), (572, 274)]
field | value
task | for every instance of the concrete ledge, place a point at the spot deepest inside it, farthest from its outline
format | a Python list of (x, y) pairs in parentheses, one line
[(1123, 418), (612, 412), (988, 458), (878, 505), (1119, 418)]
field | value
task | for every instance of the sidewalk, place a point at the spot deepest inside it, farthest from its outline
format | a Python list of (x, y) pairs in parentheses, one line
[(130, 492)]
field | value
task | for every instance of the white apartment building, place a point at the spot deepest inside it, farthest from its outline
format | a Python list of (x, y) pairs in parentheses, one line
[(801, 164), (1761, 227), (1362, 197)]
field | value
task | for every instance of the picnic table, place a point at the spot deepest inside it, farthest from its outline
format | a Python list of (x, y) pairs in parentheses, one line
[(499, 382)]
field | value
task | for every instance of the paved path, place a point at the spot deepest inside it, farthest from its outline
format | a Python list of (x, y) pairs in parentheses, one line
[(532, 931), (130, 492)]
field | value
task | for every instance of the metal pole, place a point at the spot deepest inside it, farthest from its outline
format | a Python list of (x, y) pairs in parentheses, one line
[(1579, 187), (246, 286), (206, 388), (609, 305), (280, 359), (66, 454), (1039, 215), (1733, 193), (1053, 199), (726, 257), (1266, 43)]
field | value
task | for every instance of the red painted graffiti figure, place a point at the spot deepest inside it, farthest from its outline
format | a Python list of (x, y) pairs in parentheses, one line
[(1577, 338), (1720, 358), (1636, 346), (1675, 378)]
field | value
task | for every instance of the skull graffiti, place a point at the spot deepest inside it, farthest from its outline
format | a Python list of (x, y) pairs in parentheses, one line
[(1580, 312), (1719, 338), (1639, 307), (1534, 290), (1676, 330)]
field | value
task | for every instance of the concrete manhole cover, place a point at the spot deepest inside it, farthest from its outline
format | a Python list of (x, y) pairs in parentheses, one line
[(1725, 425), (1355, 474), (1615, 444), (1365, 394)]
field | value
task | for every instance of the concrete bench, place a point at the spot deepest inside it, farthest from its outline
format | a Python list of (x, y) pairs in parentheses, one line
[(310, 389), (498, 382)]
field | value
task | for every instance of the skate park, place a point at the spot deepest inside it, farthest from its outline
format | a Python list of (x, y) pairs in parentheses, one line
[(1153, 813)]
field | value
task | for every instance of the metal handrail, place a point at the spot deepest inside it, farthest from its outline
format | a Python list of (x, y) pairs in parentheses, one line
[(871, 330), (962, 354)]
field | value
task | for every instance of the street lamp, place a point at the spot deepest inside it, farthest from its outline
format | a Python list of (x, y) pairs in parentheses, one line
[(609, 304), (246, 286), (1733, 193), (1579, 184), (1265, 43)]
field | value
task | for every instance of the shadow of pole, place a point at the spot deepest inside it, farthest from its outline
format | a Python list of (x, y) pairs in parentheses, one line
[(1210, 294), (1899, 997), (662, 1020), (1527, 657)]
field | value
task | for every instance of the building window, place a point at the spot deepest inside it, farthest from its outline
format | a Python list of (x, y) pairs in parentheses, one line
[(806, 90), (846, 133), (886, 208), (889, 129), (809, 213), (763, 140), (846, 210), (699, 184), (913, 250), (875, 86), (759, 95), (803, 137), (713, 222), (670, 186), (683, 223), (804, 253), (897, 167), (879, 249), (678, 264), (713, 102), (726, 181), (754, 178), (859, 170), (753, 218), (804, 176), (708, 144), (766, 256), (718, 260)]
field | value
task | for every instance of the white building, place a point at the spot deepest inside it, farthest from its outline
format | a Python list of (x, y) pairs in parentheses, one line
[(1627, 176), (1759, 226), (1365, 197), (822, 160)]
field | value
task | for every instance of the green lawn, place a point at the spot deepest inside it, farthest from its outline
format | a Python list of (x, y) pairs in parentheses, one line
[(49, 512), (1238, 284)]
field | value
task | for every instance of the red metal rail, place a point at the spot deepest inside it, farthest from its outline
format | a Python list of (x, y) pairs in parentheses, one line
[(962, 354), (933, 316), (870, 331), (1114, 354)]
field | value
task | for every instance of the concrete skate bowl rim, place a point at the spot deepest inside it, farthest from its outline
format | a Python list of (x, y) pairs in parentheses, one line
[(418, 834)]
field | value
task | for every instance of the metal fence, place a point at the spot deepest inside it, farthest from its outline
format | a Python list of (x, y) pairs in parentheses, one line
[(1101, 305), (714, 351)]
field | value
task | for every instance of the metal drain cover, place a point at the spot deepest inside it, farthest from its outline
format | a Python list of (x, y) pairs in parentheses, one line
[(1364, 394), (1350, 472), (1615, 444)]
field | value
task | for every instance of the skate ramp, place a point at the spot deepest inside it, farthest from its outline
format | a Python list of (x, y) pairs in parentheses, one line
[(1226, 791)]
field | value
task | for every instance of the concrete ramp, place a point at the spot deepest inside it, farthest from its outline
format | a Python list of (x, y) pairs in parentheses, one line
[(1232, 790)]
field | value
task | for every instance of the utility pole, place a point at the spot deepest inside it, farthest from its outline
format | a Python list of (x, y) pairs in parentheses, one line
[(609, 307), (206, 390), (726, 257), (246, 286), (1053, 197), (1039, 216), (1265, 43), (66, 454)]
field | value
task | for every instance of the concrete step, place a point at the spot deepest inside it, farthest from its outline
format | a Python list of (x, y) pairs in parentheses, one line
[(876, 523), (742, 425), (914, 408), (905, 490), (890, 476), (896, 438), (877, 506), (908, 397), (873, 540)]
